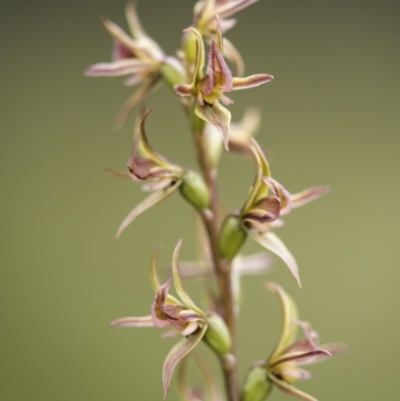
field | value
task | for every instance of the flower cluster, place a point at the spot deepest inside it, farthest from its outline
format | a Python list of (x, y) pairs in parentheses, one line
[(200, 79)]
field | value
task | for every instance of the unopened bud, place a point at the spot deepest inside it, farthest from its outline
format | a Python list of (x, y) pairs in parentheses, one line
[(217, 335), (194, 190), (189, 46), (173, 72), (232, 237), (257, 385)]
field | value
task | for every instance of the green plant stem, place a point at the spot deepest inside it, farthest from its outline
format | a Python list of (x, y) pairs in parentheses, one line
[(222, 269)]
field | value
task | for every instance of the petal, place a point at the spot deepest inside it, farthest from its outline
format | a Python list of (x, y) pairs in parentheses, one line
[(194, 269), (146, 204), (289, 389), (308, 195), (265, 210), (251, 82), (119, 51), (183, 89), (190, 328), (200, 55), (144, 145), (289, 318), (116, 68), (220, 74), (232, 7), (306, 357), (271, 242), (281, 192), (136, 98), (218, 116), (295, 373), (155, 281), (183, 295), (259, 189), (252, 264), (177, 352), (145, 321), (134, 23)]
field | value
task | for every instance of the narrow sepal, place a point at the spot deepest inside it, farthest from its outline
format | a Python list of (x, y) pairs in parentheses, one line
[(289, 389), (146, 204), (183, 295), (232, 7), (145, 321), (271, 242), (289, 317), (233, 55), (200, 55), (308, 195), (116, 68), (251, 81), (177, 352)]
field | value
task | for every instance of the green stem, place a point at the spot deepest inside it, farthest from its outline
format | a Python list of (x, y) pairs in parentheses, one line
[(222, 268)]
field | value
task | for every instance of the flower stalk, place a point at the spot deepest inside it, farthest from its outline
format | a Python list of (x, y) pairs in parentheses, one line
[(200, 79)]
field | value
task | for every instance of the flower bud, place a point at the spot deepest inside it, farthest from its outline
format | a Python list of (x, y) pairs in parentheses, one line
[(232, 237), (189, 47), (256, 386), (194, 190), (217, 335), (172, 71)]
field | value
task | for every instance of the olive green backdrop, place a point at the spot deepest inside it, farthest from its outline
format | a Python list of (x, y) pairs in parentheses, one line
[(331, 116)]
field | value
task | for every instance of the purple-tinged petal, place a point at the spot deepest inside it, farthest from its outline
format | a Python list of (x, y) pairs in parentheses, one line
[(295, 373), (227, 101), (119, 174), (157, 308), (218, 116), (229, 8), (308, 195), (120, 35), (145, 321), (135, 99), (301, 358), (281, 192), (146, 204), (120, 52), (183, 295), (271, 242), (265, 210), (179, 351), (190, 328), (289, 389), (116, 68), (227, 24), (183, 89), (289, 317), (251, 81), (158, 184), (135, 79), (220, 74), (233, 55)]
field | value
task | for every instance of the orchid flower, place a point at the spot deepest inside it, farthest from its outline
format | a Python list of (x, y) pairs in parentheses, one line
[(162, 177), (261, 212), (209, 88), (182, 315), (139, 57), (205, 13), (283, 366)]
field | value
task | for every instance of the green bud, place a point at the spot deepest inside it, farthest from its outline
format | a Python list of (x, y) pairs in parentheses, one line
[(232, 237), (189, 47), (194, 190), (217, 335), (172, 72), (257, 385)]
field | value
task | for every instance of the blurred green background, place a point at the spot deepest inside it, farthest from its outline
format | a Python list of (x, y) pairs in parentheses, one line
[(331, 116)]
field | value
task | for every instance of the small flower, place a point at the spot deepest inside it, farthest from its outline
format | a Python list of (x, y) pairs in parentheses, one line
[(261, 212), (182, 315), (161, 177), (140, 58), (205, 13), (283, 366), (209, 88)]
